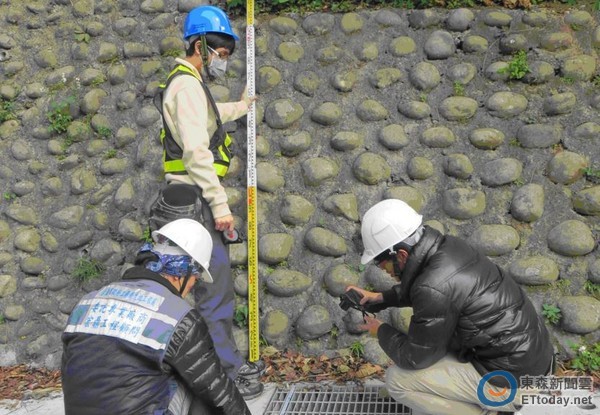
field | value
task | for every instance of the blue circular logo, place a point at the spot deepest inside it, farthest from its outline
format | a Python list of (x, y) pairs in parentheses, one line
[(505, 395)]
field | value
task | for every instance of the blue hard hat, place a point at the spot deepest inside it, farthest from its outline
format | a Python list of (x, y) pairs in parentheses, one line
[(207, 19)]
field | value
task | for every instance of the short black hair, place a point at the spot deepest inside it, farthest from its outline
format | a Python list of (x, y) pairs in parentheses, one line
[(215, 41)]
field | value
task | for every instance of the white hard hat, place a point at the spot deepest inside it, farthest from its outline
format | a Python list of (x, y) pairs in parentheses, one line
[(191, 239), (385, 224)]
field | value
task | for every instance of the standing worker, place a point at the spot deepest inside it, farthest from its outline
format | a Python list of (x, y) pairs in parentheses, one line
[(136, 346), (196, 155), (470, 318)]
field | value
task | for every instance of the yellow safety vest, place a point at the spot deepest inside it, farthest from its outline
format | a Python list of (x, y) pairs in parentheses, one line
[(220, 142)]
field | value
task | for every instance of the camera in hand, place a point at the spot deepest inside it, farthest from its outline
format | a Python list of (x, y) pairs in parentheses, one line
[(351, 299)]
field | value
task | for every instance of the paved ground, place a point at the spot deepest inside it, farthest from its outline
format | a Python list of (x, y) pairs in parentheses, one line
[(53, 405)]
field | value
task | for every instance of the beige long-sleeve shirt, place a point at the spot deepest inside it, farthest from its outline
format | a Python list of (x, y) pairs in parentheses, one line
[(192, 122)]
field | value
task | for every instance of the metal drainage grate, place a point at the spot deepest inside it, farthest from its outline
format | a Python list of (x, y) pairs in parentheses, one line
[(332, 400)]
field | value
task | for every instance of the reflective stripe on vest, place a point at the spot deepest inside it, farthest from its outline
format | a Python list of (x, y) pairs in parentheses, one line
[(141, 312), (173, 153)]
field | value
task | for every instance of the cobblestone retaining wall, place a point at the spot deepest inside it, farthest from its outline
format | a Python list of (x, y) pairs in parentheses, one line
[(353, 108)]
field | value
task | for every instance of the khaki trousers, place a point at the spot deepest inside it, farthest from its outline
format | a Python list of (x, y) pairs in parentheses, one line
[(446, 388)]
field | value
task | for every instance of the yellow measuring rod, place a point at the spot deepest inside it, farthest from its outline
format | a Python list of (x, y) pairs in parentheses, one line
[(253, 324)]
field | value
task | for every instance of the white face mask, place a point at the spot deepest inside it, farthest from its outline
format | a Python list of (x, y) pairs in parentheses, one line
[(217, 65)]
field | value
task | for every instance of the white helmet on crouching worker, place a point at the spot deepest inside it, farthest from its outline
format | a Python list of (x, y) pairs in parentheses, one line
[(386, 224), (186, 237)]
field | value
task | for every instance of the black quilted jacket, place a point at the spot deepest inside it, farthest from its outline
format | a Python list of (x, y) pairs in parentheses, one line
[(464, 302), (104, 375)]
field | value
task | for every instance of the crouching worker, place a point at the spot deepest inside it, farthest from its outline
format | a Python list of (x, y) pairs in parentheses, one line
[(474, 333), (136, 347)]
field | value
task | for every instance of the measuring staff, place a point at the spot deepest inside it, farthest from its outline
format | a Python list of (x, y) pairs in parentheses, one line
[(253, 333)]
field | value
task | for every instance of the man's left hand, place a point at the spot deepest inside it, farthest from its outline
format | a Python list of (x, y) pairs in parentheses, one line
[(371, 325)]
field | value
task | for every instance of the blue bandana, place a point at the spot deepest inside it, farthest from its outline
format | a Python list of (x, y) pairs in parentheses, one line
[(176, 265)]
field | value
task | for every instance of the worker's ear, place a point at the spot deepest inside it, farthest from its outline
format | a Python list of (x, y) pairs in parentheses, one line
[(402, 256)]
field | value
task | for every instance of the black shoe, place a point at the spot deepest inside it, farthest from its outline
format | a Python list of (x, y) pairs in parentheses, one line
[(249, 389), (252, 370)]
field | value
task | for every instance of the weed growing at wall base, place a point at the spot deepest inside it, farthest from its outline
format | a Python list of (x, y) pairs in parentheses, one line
[(357, 349), (587, 358)]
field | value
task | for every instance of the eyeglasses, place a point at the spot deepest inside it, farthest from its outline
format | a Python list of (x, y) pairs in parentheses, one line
[(220, 55)]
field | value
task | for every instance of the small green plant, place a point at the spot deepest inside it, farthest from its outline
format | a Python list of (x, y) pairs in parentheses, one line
[(262, 341), (87, 269), (9, 196), (110, 154), (147, 235), (459, 89), (517, 68), (591, 173), (299, 342), (97, 82), (361, 267), (569, 80), (597, 5), (334, 332), (514, 142), (357, 349), (2, 319), (596, 79), (592, 288), (240, 315), (562, 285), (587, 358), (59, 116), (423, 97), (7, 110), (342, 7), (269, 270), (81, 36), (552, 313), (519, 182), (369, 287)]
